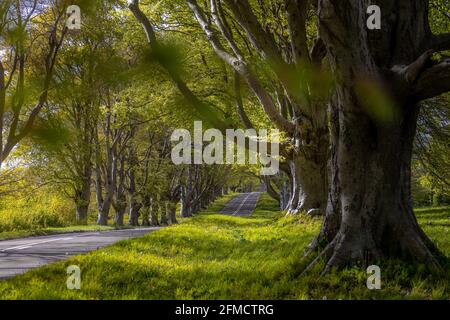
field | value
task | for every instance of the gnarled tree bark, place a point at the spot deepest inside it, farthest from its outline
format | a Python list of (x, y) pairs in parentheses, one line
[(370, 214)]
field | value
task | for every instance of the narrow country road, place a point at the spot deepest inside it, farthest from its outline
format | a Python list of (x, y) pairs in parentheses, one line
[(19, 255), (242, 205)]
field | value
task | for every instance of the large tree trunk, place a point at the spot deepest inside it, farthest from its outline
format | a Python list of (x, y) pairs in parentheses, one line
[(186, 200), (186, 210), (271, 190), (135, 205), (171, 210), (164, 220), (370, 214), (135, 208), (154, 209), (285, 195), (146, 208), (120, 204), (103, 213), (118, 218), (309, 177), (104, 204), (370, 211), (83, 197), (82, 213)]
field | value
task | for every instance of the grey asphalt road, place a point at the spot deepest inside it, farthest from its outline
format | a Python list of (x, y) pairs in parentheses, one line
[(20, 255), (242, 205)]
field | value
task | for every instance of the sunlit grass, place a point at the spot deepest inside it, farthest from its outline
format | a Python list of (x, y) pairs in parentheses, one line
[(214, 256), (436, 223), (48, 231)]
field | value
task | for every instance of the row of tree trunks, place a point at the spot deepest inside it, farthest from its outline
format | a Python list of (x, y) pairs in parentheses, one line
[(309, 189), (156, 212)]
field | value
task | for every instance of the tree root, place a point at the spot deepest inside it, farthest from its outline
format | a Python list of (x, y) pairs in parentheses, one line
[(340, 253)]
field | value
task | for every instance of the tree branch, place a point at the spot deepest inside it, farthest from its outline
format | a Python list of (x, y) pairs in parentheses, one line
[(241, 67), (433, 82), (239, 103), (440, 42), (318, 52), (259, 38), (220, 22), (270, 189), (296, 11), (201, 108), (413, 71), (133, 5), (263, 41), (13, 138)]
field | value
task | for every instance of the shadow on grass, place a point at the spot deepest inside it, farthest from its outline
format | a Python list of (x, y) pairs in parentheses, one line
[(222, 257), (434, 210)]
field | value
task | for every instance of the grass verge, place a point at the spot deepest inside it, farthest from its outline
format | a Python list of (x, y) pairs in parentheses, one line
[(214, 256), (8, 235)]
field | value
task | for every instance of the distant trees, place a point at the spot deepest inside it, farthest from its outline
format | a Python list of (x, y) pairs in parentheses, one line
[(98, 132)]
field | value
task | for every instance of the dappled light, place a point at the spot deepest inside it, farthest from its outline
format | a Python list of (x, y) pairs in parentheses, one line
[(224, 150)]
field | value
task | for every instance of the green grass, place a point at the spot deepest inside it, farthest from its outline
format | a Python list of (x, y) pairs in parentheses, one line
[(48, 231), (214, 256)]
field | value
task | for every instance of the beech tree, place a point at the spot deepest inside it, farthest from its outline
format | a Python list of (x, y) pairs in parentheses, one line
[(77, 110), (31, 36), (295, 105), (370, 212), (380, 77)]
